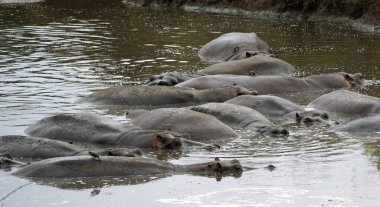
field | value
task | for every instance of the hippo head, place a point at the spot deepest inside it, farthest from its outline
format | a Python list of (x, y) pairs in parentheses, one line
[(218, 166), (312, 118), (273, 131), (353, 79), (162, 80), (164, 140)]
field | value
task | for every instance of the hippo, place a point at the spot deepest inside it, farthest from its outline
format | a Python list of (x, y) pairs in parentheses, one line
[(283, 110), (240, 117), (163, 95), (347, 103), (233, 46), (197, 126), (86, 127), (256, 65), (366, 124), (86, 166), (278, 84), (170, 78), (42, 148)]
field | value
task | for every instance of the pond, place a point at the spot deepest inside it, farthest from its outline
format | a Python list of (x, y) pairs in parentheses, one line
[(51, 55)]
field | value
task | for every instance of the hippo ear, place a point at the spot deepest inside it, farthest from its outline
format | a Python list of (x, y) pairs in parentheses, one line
[(348, 78), (298, 118), (217, 159), (158, 142), (359, 76)]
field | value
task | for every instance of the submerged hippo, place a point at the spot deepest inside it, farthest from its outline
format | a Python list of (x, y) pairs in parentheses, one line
[(281, 109), (86, 166), (240, 117), (163, 95), (233, 46), (347, 103), (170, 78), (278, 84), (100, 129), (256, 65), (197, 126), (42, 148), (366, 124)]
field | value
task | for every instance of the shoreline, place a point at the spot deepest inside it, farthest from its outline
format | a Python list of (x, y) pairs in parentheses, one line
[(369, 24)]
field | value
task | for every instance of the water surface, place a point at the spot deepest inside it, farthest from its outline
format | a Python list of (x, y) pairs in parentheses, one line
[(51, 55)]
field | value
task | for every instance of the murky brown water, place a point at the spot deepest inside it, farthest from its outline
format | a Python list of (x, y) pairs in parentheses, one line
[(52, 55)]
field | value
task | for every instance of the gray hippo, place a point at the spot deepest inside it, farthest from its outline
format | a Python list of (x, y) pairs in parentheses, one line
[(256, 65), (343, 102), (233, 46), (163, 95), (278, 84), (42, 148), (170, 78), (366, 124), (93, 128), (197, 126), (87, 166), (240, 117), (282, 110)]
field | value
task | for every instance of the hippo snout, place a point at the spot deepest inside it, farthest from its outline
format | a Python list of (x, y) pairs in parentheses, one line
[(176, 143)]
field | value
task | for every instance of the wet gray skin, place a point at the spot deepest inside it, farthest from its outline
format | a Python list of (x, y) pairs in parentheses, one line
[(278, 84), (366, 124), (345, 102), (86, 166), (42, 148), (85, 127), (240, 117), (163, 95), (233, 46), (196, 126), (256, 65), (267, 105), (283, 110)]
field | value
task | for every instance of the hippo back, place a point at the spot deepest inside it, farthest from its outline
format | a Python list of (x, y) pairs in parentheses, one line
[(366, 124), (36, 147), (256, 65), (231, 45), (347, 103), (86, 166), (267, 104), (197, 126)]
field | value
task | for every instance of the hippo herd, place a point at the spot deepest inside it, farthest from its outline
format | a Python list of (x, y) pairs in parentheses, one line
[(177, 110)]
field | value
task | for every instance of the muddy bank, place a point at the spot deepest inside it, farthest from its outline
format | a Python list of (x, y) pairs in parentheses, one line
[(363, 14)]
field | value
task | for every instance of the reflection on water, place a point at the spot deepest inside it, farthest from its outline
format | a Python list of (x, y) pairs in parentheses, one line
[(53, 54)]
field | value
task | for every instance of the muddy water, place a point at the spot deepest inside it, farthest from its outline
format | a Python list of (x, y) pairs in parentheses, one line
[(51, 55)]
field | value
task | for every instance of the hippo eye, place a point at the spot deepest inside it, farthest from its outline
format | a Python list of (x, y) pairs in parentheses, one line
[(236, 49)]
